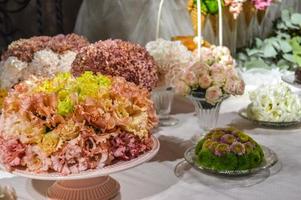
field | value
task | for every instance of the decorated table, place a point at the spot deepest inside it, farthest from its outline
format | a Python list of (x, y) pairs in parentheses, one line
[(166, 176)]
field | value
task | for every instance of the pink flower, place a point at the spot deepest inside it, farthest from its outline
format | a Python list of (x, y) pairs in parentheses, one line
[(217, 68), (261, 4), (191, 78), (213, 94), (205, 81), (234, 86), (182, 88), (200, 68), (218, 74)]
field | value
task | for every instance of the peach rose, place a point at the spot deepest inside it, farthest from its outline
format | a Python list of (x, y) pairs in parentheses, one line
[(205, 81), (190, 78), (234, 86), (213, 94), (218, 74), (182, 88)]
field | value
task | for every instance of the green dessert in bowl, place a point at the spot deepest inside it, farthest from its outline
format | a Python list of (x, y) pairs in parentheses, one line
[(228, 149)]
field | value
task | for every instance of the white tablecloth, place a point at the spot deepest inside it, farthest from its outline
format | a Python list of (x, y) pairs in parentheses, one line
[(156, 179)]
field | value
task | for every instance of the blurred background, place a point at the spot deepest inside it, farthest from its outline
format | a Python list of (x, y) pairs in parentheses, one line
[(133, 20)]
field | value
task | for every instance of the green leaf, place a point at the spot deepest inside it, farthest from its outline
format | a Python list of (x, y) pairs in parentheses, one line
[(296, 19), (258, 42), (285, 15), (256, 63), (289, 57), (297, 59), (252, 52), (283, 64), (269, 51), (285, 46)]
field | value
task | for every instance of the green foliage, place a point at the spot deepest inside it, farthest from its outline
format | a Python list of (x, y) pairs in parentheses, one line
[(282, 50), (208, 6)]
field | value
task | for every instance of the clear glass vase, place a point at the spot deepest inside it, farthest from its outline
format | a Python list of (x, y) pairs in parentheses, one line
[(206, 113), (163, 99)]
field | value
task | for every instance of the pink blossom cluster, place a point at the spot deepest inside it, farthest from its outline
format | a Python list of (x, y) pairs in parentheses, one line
[(235, 6), (215, 74), (261, 4)]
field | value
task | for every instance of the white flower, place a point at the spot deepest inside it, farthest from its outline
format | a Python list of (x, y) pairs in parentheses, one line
[(168, 54), (66, 61), (12, 71), (275, 103), (45, 63)]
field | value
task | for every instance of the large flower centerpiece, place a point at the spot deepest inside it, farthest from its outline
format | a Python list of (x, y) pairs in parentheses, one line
[(68, 125)]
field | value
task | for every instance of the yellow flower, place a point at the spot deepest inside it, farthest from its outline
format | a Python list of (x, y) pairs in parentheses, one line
[(138, 125), (67, 131), (49, 143)]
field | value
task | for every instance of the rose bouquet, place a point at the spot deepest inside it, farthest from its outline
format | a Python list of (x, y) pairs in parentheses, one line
[(212, 78), (68, 125)]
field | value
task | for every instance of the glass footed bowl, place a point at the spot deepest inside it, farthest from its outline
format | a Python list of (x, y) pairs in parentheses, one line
[(270, 159), (243, 114)]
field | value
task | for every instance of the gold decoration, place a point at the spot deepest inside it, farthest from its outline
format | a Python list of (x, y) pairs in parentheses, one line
[(230, 19), (193, 11), (260, 15), (249, 12)]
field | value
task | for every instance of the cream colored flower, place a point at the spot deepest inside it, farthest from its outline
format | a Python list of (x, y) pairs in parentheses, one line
[(205, 81), (213, 95), (49, 143)]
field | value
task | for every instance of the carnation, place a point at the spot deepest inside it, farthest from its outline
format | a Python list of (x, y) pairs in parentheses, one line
[(71, 124), (118, 58)]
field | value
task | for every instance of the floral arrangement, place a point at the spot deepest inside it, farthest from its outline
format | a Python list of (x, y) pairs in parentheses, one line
[(235, 6), (118, 58), (274, 103), (168, 55), (282, 50), (228, 149), (68, 125), (42, 56), (213, 78)]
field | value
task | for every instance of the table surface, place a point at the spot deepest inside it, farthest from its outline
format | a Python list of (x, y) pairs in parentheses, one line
[(156, 179)]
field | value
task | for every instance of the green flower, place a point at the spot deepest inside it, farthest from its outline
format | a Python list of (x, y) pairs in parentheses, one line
[(199, 146), (65, 106), (89, 84), (226, 162), (205, 158), (243, 162)]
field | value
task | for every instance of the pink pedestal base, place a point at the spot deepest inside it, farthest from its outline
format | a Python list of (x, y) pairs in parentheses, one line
[(101, 188)]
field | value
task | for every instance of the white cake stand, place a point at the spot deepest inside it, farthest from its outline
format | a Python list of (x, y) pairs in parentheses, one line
[(91, 184)]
